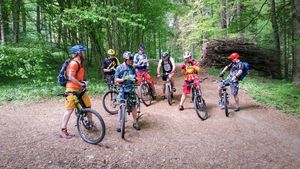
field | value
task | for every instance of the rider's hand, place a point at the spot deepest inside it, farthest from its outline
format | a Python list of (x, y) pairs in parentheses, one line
[(158, 74), (221, 75), (84, 84), (234, 79), (126, 77)]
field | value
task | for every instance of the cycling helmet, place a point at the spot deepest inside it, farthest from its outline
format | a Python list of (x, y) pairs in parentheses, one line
[(127, 55), (142, 47), (233, 56), (187, 54), (78, 48), (165, 54), (111, 52)]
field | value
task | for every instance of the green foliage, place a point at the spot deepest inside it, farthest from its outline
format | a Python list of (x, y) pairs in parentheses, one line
[(22, 62)]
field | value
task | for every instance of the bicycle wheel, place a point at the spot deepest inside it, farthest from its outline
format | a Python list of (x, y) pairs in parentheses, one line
[(200, 107), (110, 103), (225, 104), (122, 120), (138, 107), (169, 94), (90, 126), (145, 94)]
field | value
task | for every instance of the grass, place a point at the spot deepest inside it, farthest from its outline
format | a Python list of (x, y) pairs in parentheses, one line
[(279, 94), (32, 90)]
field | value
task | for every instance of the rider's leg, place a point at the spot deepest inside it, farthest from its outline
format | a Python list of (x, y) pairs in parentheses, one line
[(186, 90), (66, 118), (150, 82), (234, 91)]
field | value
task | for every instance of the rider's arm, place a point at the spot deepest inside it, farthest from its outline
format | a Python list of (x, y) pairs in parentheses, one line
[(173, 63), (158, 66), (118, 77), (135, 61), (238, 74)]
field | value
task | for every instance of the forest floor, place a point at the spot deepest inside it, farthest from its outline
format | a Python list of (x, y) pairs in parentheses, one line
[(255, 137)]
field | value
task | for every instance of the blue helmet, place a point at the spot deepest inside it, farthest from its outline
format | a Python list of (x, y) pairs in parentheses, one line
[(165, 54), (78, 48), (127, 55)]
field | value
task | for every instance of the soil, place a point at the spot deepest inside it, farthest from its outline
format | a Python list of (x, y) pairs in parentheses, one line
[(255, 137)]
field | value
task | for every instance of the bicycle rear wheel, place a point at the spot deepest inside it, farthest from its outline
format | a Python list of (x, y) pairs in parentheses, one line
[(109, 102), (145, 94), (200, 107), (225, 103), (169, 94), (90, 126), (122, 120)]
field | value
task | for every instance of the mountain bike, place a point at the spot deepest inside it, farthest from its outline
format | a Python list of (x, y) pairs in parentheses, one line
[(124, 110), (225, 97), (90, 124), (198, 100), (168, 89), (109, 100), (146, 92)]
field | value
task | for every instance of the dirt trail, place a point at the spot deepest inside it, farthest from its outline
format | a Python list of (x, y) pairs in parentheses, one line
[(255, 137)]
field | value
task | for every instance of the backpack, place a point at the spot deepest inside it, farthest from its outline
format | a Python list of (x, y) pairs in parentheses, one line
[(62, 77), (245, 70)]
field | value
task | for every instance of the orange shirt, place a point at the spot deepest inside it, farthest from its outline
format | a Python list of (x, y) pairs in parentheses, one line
[(79, 75), (191, 70)]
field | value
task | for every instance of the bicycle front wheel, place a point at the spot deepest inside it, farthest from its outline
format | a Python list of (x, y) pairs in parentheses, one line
[(200, 107), (90, 126), (145, 94), (225, 103), (109, 102), (122, 120), (169, 94)]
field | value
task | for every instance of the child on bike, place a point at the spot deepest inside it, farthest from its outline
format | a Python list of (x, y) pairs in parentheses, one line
[(108, 66), (75, 72), (190, 68), (168, 66), (232, 80), (126, 75), (140, 62)]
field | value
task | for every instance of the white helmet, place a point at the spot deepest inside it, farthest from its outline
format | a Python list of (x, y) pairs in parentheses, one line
[(187, 54)]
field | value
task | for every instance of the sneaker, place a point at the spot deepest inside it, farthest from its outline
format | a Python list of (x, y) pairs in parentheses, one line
[(119, 129), (236, 109), (136, 126), (181, 108), (65, 134)]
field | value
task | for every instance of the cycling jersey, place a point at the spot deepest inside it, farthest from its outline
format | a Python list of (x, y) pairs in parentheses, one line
[(141, 60), (110, 63), (167, 66)]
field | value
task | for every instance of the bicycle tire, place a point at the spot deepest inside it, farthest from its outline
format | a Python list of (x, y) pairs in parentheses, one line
[(225, 103), (200, 107), (138, 107), (145, 91), (97, 128), (122, 120), (113, 101), (169, 94)]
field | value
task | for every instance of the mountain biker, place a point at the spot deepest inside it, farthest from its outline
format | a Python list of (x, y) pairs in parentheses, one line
[(126, 75), (75, 72), (168, 66), (108, 66), (190, 68), (141, 63), (232, 80)]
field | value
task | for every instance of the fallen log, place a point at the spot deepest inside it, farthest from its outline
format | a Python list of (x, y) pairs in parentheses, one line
[(215, 54)]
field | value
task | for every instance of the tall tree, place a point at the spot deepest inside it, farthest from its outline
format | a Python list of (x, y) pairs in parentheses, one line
[(296, 25), (4, 21), (275, 35), (16, 18)]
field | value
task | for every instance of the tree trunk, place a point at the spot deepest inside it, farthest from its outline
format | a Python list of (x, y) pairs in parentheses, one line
[(16, 18), (276, 37), (4, 21), (38, 19), (23, 10), (296, 19)]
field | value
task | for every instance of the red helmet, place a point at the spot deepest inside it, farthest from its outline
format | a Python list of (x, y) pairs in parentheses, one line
[(234, 56)]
